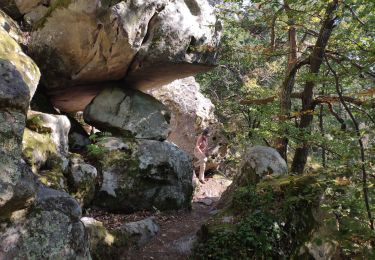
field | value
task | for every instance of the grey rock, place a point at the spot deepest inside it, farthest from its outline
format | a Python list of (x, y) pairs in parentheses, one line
[(206, 201), (82, 179), (185, 244), (151, 174), (51, 229), (129, 113), (260, 161), (141, 231), (18, 81), (78, 137)]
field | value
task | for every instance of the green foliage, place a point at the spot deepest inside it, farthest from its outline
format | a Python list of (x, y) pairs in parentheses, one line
[(270, 220), (94, 149)]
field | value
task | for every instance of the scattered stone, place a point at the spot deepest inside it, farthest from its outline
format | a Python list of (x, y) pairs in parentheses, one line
[(206, 201), (103, 243), (142, 231), (185, 244)]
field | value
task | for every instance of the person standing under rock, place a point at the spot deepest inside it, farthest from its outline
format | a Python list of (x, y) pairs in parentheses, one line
[(200, 153)]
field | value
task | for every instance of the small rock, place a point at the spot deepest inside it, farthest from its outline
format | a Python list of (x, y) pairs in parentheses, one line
[(184, 244), (206, 201), (142, 231)]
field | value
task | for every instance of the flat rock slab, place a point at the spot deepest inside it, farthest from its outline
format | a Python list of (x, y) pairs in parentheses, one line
[(128, 112)]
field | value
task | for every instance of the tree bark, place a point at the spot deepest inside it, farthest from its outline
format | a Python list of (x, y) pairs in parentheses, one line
[(316, 60), (288, 83)]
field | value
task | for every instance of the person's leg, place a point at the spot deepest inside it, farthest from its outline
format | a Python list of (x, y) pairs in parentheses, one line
[(202, 164), (202, 168)]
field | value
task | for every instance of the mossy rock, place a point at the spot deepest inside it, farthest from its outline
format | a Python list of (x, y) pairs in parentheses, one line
[(40, 152), (144, 174), (105, 244)]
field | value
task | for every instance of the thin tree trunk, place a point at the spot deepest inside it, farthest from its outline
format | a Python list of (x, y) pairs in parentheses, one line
[(361, 146), (316, 59), (288, 83), (321, 126)]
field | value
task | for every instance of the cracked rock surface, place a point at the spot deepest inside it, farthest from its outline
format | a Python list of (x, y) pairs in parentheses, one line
[(81, 44)]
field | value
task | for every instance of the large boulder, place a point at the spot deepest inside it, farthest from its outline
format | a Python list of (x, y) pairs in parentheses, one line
[(148, 43), (191, 112), (258, 163), (144, 174), (129, 113), (18, 81), (51, 229)]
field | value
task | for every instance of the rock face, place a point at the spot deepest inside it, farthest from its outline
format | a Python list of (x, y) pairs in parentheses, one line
[(18, 81), (128, 113), (148, 43), (191, 111), (145, 174), (35, 222), (82, 180), (52, 229)]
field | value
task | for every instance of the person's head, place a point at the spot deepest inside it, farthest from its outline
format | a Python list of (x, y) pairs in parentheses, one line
[(206, 132)]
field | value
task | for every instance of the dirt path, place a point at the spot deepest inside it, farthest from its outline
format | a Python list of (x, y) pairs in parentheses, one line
[(178, 230)]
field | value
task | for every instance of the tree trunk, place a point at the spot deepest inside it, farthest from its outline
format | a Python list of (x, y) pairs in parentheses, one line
[(321, 126), (316, 59), (288, 83)]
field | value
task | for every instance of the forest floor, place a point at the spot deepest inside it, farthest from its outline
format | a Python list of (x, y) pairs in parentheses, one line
[(177, 229)]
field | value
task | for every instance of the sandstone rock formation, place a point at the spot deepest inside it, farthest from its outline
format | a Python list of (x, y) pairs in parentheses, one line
[(191, 112), (128, 113), (90, 49), (144, 174), (146, 43)]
